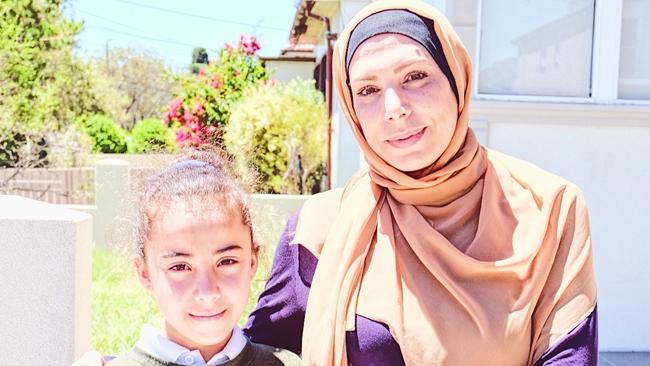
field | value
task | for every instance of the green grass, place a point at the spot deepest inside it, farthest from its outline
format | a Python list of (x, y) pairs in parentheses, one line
[(120, 306)]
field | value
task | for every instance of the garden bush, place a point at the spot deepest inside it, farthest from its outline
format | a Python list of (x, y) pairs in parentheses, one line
[(205, 103), (151, 135), (281, 130), (105, 134)]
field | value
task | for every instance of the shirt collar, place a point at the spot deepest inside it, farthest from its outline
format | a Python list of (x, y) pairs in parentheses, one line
[(157, 345)]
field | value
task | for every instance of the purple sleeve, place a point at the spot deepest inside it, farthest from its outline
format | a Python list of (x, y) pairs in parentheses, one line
[(280, 312), (578, 347)]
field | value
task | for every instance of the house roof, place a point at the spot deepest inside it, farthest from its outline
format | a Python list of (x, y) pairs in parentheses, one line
[(308, 30)]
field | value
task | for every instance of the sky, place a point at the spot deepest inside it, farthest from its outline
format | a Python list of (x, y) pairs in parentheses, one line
[(170, 29)]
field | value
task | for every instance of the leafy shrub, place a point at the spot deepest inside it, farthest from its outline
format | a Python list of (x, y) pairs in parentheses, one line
[(281, 130), (204, 106), (69, 147), (105, 134), (150, 135)]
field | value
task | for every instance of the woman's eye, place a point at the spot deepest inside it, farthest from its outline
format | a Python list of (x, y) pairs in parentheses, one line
[(179, 267), (227, 262), (415, 75), (367, 90)]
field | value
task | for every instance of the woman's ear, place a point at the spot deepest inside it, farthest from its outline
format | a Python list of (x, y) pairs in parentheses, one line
[(140, 264)]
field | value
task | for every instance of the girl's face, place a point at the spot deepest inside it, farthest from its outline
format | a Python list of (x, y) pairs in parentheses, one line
[(405, 105), (199, 265)]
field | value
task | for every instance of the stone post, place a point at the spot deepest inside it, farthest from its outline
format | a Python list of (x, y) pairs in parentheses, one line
[(45, 277), (112, 201)]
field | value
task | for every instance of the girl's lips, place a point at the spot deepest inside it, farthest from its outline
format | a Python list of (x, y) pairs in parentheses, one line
[(207, 317), (408, 140)]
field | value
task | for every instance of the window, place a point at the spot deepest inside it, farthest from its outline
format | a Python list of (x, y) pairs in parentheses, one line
[(536, 47), (634, 64)]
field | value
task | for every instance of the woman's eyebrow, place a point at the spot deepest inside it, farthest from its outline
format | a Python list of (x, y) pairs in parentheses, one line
[(399, 68)]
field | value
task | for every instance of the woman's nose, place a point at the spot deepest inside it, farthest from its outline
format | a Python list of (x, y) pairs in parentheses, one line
[(394, 106)]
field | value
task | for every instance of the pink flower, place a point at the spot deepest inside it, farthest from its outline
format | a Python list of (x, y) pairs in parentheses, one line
[(201, 72), (237, 72), (216, 82), (174, 107), (167, 118), (188, 117), (198, 109)]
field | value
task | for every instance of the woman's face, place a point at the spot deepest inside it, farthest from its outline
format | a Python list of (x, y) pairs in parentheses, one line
[(404, 102)]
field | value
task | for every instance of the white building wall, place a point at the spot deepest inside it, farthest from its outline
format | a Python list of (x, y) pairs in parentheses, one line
[(285, 71)]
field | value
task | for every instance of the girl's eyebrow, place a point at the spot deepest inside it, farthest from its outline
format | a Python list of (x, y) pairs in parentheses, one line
[(228, 248), (174, 254)]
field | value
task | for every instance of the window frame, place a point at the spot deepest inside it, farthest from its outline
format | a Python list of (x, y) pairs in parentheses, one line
[(608, 21)]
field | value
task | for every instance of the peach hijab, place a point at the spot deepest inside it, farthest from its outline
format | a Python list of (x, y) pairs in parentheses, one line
[(483, 260)]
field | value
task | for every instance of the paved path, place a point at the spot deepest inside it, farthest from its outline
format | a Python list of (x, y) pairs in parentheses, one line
[(624, 359)]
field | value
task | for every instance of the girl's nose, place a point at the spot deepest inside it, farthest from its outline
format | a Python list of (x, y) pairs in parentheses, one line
[(394, 107), (207, 289)]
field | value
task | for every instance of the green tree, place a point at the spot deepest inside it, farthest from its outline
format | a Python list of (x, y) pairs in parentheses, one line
[(199, 59), (132, 86), (42, 85)]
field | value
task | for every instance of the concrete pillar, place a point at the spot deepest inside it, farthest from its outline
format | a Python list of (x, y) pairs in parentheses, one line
[(112, 198), (270, 213), (45, 277)]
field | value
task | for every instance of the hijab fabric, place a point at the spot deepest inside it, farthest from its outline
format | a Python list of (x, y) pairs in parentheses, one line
[(483, 259)]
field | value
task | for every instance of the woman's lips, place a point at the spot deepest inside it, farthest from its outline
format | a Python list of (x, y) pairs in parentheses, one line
[(407, 140), (208, 316)]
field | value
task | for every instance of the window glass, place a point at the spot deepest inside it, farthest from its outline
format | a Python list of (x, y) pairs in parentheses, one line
[(634, 66), (536, 47)]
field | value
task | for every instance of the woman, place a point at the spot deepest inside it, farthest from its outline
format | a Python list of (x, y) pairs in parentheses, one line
[(442, 252)]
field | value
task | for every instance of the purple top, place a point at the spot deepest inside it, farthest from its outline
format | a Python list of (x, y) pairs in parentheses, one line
[(280, 312)]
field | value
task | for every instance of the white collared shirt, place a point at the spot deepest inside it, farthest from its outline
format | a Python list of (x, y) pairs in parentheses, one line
[(157, 345)]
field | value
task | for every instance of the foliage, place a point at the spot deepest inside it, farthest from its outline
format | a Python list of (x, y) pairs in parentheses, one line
[(119, 304), (132, 85), (69, 147), (204, 106), (281, 130), (105, 134), (199, 59), (151, 135), (42, 85)]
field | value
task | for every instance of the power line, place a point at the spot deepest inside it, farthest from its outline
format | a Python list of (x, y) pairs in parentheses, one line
[(178, 43), (198, 16), (110, 20)]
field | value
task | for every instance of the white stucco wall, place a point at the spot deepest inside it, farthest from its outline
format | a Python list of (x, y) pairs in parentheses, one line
[(285, 71)]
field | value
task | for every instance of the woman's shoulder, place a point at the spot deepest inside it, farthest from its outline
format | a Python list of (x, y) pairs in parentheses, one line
[(315, 219)]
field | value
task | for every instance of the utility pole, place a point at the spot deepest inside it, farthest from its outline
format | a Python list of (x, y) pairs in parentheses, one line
[(108, 67)]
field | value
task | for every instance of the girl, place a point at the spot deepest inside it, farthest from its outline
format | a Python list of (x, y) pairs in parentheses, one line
[(197, 257)]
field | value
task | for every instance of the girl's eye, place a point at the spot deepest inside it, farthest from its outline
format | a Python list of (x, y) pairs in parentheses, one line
[(179, 267), (367, 90), (227, 262), (415, 75)]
